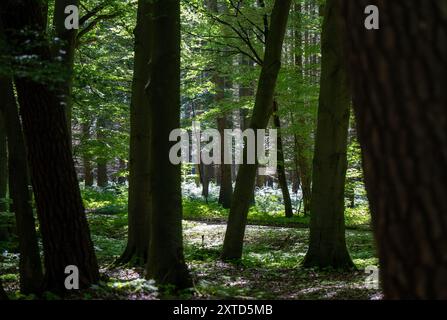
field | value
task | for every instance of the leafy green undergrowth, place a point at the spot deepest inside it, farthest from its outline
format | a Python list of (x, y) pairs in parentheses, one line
[(271, 265), (270, 268), (199, 210)]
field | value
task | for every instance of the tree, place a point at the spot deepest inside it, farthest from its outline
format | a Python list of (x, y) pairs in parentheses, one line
[(3, 167), (327, 244), (67, 51), (3, 295), (65, 232), (282, 178), (262, 112), (140, 143), (399, 80), (30, 265), (166, 262)]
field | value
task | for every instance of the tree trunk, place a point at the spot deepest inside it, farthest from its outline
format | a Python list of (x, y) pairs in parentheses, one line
[(67, 51), (140, 143), (166, 261), (102, 179), (327, 246), (282, 178), (246, 92), (30, 264), (399, 83), (63, 224), (3, 295), (86, 157), (3, 167), (262, 112), (101, 174), (226, 187)]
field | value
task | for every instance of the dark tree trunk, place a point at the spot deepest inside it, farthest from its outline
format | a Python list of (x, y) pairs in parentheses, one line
[(30, 264), (140, 143), (262, 112), (399, 79), (102, 179), (101, 174), (63, 224), (282, 178), (226, 187), (122, 168), (86, 158), (327, 245), (166, 261), (67, 52), (3, 167), (3, 295)]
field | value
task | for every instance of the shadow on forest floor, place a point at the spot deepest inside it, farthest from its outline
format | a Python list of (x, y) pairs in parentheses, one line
[(270, 267)]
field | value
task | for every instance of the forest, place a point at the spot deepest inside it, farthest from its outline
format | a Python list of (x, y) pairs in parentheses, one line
[(223, 149)]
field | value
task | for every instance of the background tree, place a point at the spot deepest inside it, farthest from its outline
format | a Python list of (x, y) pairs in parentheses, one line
[(327, 245), (237, 219), (140, 142), (166, 262)]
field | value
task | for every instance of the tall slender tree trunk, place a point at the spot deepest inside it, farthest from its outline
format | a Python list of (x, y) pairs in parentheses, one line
[(63, 224), (166, 261), (3, 167), (244, 93), (327, 245), (399, 84), (86, 158), (262, 112), (102, 178), (67, 52), (226, 187), (140, 143), (30, 265), (282, 178)]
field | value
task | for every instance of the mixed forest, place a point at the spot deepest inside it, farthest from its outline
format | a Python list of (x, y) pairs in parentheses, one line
[(355, 208)]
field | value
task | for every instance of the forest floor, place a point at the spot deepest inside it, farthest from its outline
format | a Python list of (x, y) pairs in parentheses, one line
[(269, 269)]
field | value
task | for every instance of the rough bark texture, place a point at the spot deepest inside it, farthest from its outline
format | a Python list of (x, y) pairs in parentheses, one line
[(327, 246), (64, 228), (262, 112), (140, 143), (166, 261), (3, 167), (399, 79), (67, 51), (281, 168), (30, 265)]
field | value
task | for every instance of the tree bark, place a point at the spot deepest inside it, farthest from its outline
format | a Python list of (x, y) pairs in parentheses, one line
[(67, 51), (63, 224), (327, 244), (166, 261), (226, 186), (282, 178), (3, 167), (262, 112), (86, 158), (140, 143), (102, 179), (399, 80), (30, 265)]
